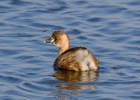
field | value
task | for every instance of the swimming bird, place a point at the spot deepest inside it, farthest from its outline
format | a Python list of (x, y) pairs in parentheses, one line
[(76, 59)]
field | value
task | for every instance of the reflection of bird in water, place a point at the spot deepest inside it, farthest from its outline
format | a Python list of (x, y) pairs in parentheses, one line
[(77, 79), (72, 76), (75, 87)]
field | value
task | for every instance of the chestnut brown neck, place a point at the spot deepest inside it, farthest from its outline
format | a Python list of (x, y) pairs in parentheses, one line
[(65, 44)]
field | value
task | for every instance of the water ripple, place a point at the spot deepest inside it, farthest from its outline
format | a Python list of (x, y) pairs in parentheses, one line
[(10, 79)]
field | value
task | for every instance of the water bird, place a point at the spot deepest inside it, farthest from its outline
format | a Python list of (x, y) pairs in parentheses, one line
[(76, 59)]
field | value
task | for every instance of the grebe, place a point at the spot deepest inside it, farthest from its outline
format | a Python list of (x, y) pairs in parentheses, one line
[(77, 59)]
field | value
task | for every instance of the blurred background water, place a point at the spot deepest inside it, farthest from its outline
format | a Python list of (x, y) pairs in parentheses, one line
[(109, 28)]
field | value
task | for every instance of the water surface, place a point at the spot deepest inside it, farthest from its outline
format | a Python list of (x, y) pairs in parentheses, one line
[(109, 28)]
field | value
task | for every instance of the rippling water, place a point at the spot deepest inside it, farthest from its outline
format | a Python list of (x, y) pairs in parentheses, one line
[(109, 28)]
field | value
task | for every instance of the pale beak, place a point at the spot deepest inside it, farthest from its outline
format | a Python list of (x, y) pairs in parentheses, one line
[(50, 40)]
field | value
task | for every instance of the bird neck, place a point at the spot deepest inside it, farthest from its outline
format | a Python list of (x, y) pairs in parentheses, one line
[(64, 48)]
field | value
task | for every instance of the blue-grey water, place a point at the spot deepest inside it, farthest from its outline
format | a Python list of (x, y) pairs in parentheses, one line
[(109, 28)]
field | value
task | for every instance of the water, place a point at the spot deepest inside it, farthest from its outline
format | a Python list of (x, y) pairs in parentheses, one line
[(109, 28)]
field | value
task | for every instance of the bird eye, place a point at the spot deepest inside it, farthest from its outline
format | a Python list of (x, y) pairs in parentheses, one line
[(55, 38)]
